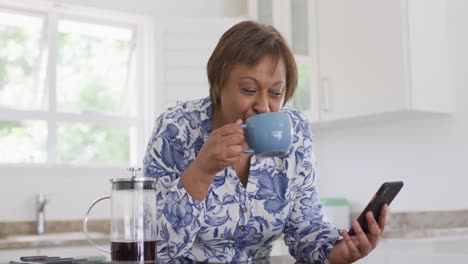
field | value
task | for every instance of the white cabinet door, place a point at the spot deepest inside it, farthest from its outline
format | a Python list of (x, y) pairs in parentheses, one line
[(375, 57), (360, 57)]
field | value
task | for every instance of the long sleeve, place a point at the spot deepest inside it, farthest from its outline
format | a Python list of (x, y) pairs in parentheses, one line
[(308, 233), (178, 214)]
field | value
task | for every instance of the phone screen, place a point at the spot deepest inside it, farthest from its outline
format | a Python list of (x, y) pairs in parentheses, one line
[(384, 195)]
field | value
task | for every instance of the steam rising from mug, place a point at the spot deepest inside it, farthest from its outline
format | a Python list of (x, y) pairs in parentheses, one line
[(268, 134)]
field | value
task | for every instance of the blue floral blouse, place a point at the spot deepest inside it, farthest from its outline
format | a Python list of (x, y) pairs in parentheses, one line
[(234, 223)]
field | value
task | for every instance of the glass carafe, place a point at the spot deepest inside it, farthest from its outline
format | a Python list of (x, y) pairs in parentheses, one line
[(133, 219)]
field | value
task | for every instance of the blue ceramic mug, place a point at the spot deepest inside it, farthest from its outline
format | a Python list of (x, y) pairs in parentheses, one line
[(268, 134)]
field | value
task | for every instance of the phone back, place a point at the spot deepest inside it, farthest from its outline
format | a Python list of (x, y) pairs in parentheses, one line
[(384, 195)]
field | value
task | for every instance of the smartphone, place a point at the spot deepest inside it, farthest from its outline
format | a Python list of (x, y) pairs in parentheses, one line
[(385, 195)]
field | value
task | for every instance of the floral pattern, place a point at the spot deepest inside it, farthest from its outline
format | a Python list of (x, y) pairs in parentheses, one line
[(235, 223)]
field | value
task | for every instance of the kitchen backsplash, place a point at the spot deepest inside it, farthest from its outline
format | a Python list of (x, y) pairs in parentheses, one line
[(425, 224), (29, 227)]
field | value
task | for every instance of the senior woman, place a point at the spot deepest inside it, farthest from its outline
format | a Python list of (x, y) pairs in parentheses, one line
[(217, 204)]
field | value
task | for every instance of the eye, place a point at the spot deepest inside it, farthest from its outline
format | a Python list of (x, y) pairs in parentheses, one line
[(277, 93), (278, 89), (249, 90)]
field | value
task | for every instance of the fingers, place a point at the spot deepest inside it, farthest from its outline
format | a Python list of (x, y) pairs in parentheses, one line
[(374, 230), (364, 244), (222, 148), (233, 151), (383, 217), (352, 249), (230, 156), (233, 139), (230, 129)]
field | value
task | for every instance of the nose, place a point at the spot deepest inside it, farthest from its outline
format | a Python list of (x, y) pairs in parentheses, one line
[(261, 104)]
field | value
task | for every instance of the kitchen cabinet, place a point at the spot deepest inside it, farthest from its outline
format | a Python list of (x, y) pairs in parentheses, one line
[(369, 58)]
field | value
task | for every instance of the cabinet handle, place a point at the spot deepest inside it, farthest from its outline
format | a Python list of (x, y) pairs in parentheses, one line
[(327, 95)]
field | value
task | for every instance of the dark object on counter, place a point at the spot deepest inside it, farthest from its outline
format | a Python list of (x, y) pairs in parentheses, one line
[(54, 260), (34, 258)]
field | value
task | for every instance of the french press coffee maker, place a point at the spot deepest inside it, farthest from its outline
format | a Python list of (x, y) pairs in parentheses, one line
[(133, 219)]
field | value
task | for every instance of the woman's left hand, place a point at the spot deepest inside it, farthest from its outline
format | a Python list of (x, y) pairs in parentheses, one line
[(353, 248)]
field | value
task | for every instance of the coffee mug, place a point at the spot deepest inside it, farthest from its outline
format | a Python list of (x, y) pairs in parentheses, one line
[(268, 134)]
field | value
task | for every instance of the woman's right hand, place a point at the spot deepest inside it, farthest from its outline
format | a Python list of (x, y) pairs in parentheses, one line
[(222, 149)]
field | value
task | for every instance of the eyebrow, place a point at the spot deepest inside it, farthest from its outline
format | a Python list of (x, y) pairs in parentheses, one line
[(256, 81)]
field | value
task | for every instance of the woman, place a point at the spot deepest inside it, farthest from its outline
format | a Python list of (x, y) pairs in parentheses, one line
[(217, 204)]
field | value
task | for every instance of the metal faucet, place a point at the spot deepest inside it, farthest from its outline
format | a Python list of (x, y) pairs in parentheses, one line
[(41, 202)]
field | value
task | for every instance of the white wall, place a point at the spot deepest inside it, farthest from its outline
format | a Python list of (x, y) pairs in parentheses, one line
[(428, 154), (69, 191)]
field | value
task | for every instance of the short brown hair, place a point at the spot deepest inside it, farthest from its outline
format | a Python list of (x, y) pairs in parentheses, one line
[(247, 43)]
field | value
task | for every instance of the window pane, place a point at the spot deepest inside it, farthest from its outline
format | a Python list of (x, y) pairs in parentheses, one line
[(265, 12), (23, 141), (92, 144), (300, 34), (93, 69), (302, 94), (21, 86)]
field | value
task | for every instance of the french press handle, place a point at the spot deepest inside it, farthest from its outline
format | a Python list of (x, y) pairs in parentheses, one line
[(85, 225)]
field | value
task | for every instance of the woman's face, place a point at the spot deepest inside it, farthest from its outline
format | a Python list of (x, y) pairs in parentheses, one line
[(252, 90)]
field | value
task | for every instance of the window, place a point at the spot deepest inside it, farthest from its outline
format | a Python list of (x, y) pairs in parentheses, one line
[(293, 18), (300, 45), (74, 86)]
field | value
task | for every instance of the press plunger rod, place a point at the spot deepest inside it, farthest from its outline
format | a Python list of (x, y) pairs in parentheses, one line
[(134, 171)]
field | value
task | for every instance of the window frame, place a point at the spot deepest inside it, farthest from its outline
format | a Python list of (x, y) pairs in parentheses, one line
[(140, 126), (282, 21)]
